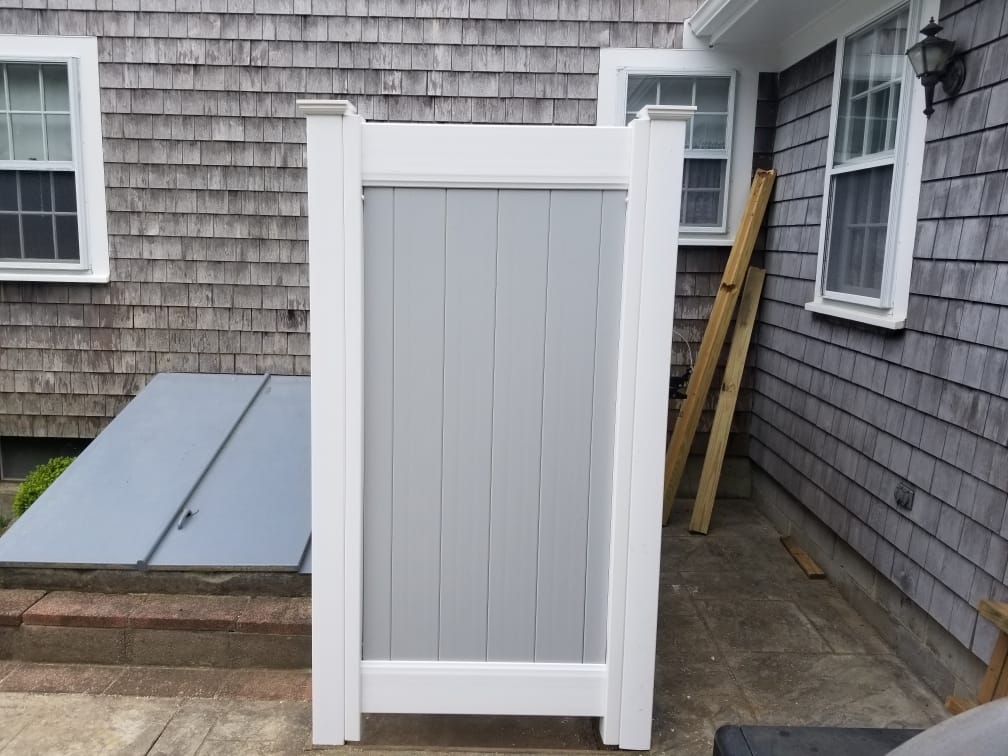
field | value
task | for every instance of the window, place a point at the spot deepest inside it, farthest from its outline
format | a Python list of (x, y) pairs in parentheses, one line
[(719, 141), (52, 204), (872, 177), (705, 171)]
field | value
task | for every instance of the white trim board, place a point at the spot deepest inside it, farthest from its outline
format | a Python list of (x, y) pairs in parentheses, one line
[(442, 687), (500, 156)]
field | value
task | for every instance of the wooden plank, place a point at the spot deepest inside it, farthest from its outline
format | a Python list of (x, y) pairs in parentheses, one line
[(995, 612), (470, 283), (808, 565), (714, 459), (996, 675), (416, 437), (519, 340), (572, 283), (957, 705), (714, 335)]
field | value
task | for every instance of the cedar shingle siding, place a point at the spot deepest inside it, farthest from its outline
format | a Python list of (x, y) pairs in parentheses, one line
[(204, 167), (841, 414)]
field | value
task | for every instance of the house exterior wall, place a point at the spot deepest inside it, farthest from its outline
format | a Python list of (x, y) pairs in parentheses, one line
[(843, 413), (204, 169)]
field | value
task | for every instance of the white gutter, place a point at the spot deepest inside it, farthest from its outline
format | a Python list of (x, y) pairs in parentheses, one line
[(714, 18)]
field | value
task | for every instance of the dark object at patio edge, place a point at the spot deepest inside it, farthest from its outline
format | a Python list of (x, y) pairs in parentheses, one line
[(735, 740)]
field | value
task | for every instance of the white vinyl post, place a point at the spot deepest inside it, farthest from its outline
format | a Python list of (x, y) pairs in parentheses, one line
[(649, 267), (335, 217)]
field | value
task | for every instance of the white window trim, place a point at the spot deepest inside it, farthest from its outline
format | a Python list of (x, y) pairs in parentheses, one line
[(81, 55), (891, 309), (615, 64)]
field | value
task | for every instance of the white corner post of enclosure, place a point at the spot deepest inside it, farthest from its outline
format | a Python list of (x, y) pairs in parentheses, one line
[(348, 157), (645, 353)]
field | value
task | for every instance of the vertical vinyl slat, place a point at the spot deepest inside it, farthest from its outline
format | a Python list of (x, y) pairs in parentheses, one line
[(377, 411), (603, 424), (416, 441), (522, 234), (470, 278), (575, 220)]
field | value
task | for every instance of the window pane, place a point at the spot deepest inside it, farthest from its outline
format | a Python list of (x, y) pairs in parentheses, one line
[(641, 91), (38, 236), (8, 190), (58, 137), (855, 251), (873, 65), (36, 192), (57, 87), (703, 192), (712, 94), (27, 136), (4, 136), (23, 84), (67, 246), (65, 192), (709, 132), (10, 237), (676, 90)]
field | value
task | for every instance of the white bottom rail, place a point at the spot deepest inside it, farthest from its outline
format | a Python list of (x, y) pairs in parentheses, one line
[(438, 687)]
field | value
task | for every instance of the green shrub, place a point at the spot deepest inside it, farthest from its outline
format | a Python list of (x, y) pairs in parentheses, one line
[(37, 482)]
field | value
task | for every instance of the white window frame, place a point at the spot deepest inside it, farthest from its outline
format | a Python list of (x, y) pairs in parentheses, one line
[(890, 308), (617, 64), (80, 54), (725, 154)]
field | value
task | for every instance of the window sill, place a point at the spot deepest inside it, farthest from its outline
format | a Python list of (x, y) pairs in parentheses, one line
[(881, 318), (705, 240), (36, 275)]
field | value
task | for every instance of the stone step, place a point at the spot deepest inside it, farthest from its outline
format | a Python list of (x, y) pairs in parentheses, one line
[(163, 682), (170, 630)]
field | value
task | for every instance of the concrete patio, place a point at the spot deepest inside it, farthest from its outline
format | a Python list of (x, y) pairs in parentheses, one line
[(744, 637)]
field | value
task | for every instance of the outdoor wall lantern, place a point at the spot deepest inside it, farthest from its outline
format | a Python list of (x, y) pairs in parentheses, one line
[(934, 60)]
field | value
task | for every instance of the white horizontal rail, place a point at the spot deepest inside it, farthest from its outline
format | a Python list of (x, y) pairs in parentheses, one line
[(495, 156), (439, 687)]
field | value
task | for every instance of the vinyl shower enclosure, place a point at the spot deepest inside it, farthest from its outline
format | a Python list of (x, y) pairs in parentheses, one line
[(491, 331)]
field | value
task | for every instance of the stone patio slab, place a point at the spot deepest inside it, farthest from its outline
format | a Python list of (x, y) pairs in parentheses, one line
[(14, 602), (760, 625), (837, 690), (60, 678)]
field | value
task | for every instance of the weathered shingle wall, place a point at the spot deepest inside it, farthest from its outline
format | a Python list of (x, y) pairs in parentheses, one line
[(841, 413), (204, 166)]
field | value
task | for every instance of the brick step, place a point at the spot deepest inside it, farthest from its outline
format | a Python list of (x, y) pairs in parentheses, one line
[(156, 629), (165, 682)]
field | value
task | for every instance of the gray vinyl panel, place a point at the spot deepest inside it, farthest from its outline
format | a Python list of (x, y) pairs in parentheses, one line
[(522, 235), (491, 330), (416, 440), (610, 279), (470, 278), (112, 505), (568, 381), (241, 513), (379, 242)]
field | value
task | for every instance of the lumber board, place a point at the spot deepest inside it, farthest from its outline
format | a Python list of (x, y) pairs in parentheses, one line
[(957, 704), (995, 671), (995, 612), (718, 441), (714, 335), (807, 563)]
